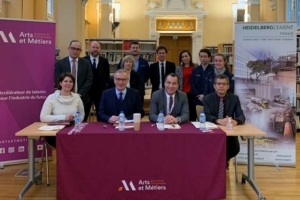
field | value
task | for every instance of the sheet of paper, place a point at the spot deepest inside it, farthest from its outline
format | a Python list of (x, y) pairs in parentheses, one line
[(171, 126), (51, 128), (126, 127), (208, 125)]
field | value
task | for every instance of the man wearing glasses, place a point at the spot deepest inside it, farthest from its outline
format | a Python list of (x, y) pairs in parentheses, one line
[(221, 105), (79, 67), (119, 98)]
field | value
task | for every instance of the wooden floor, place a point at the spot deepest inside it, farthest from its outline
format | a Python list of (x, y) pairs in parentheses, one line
[(282, 184)]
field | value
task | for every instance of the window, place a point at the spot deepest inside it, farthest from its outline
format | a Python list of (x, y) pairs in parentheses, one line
[(50, 7), (292, 10)]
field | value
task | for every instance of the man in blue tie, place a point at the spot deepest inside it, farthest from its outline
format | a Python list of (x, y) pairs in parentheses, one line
[(222, 105), (119, 98)]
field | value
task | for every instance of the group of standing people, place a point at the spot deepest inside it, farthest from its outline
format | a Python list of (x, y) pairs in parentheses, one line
[(82, 82)]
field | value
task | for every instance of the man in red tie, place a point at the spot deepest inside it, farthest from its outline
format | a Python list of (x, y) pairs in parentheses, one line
[(172, 102)]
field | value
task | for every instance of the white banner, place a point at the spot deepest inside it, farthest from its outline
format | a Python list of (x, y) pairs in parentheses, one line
[(265, 80)]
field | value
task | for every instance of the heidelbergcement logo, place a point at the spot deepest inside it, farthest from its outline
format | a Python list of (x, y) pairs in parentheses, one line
[(10, 36), (126, 186), (144, 185)]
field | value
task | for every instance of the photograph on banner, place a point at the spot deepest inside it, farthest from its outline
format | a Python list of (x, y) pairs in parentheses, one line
[(265, 80)]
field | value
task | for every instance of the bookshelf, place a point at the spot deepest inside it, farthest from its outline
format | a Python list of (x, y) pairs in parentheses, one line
[(298, 84), (213, 50), (115, 49), (227, 50)]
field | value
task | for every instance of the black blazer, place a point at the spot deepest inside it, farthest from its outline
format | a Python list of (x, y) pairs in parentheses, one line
[(101, 76), (108, 104), (84, 74), (233, 107), (154, 73)]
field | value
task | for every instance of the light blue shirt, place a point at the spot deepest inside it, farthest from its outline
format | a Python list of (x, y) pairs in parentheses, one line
[(136, 64), (118, 92)]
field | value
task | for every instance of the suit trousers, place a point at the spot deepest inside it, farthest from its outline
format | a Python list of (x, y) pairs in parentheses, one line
[(232, 148)]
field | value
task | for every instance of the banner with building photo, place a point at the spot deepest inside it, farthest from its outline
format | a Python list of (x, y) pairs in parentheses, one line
[(27, 57), (265, 81)]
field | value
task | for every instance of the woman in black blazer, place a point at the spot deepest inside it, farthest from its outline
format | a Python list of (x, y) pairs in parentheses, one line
[(135, 81)]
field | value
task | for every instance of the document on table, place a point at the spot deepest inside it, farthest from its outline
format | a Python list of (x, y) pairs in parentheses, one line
[(171, 126), (51, 128), (126, 127), (208, 125)]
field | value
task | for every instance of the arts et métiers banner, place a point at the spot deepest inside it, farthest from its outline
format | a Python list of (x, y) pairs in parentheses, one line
[(265, 81), (27, 57)]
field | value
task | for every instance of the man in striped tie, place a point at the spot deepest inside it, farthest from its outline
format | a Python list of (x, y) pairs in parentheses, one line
[(222, 105)]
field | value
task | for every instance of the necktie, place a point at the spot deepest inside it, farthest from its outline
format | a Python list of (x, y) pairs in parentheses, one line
[(170, 104), (74, 73), (94, 64), (120, 98), (162, 70), (221, 109)]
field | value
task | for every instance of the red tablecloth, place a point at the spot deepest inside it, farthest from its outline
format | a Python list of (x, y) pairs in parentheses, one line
[(103, 163)]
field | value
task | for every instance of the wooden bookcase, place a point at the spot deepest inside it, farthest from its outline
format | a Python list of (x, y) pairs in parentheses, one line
[(298, 84), (213, 50), (115, 49), (227, 50)]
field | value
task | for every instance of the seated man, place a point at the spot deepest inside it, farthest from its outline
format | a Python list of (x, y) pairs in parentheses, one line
[(219, 106), (119, 99), (171, 101)]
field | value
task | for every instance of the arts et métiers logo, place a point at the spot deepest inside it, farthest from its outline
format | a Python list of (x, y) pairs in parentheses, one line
[(26, 38), (143, 185)]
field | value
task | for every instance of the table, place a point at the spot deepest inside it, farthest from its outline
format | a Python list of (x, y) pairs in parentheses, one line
[(250, 132), (104, 163), (32, 133)]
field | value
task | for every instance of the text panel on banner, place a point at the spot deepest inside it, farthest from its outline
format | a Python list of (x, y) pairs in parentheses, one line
[(27, 57), (265, 80)]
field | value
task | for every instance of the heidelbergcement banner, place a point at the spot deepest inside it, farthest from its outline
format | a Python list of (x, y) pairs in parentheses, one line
[(265, 79), (27, 57)]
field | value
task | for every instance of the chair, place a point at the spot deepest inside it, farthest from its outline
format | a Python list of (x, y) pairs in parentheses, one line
[(199, 109)]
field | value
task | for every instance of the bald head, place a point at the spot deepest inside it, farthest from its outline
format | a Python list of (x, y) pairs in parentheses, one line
[(94, 48)]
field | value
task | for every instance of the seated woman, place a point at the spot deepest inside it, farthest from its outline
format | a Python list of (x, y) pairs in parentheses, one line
[(62, 104), (135, 81)]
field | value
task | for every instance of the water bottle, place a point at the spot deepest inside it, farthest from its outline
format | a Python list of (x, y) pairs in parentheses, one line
[(202, 120), (121, 121), (160, 121), (229, 125), (77, 120)]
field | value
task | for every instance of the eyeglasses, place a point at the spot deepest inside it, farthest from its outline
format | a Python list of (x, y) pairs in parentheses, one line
[(75, 49), (121, 79), (219, 84)]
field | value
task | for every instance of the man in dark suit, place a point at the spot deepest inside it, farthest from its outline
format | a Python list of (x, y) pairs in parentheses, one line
[(100, 68), (160, 69), (199, 75), (222, 105), (79, 67), (171, 101), (119, 99), (141, 65)]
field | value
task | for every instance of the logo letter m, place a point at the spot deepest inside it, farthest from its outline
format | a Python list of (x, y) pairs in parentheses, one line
[(4, 38), (126, 186)]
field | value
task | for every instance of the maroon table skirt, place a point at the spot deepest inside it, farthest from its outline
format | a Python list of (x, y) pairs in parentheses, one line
[(106, 164)]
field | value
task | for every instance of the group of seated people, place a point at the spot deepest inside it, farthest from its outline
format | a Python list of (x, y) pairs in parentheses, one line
[(64, 103)]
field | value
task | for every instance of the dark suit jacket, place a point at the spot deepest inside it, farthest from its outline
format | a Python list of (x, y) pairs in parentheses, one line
[(233, 107), (159, 102), (154, 73), (101, 77), (84, 75), (135, 82), (108, 104), (143, 69)]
